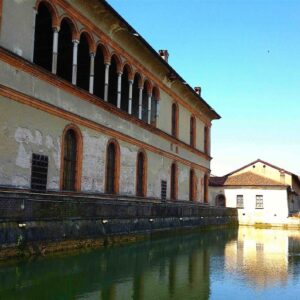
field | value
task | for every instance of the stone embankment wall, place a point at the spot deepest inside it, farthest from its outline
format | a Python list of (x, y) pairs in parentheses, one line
[(68, 220)]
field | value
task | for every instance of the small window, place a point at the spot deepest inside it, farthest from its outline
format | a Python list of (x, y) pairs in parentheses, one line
[(259, 202), (240, 201), (39, 172), (163, 190)]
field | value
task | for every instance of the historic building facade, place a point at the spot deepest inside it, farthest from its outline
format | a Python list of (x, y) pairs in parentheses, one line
[(87, 105)]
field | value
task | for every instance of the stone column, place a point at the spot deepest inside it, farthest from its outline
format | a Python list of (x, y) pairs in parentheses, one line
[(140, 102), (130, 97), (75, 57), (149, 108), (55, 50), (119, 90), (92, 72), (106, 80)]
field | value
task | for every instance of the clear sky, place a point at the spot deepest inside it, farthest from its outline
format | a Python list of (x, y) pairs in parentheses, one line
[(245, 54)]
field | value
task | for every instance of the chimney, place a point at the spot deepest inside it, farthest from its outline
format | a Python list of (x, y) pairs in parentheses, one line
[(164, 54), (198, 90)]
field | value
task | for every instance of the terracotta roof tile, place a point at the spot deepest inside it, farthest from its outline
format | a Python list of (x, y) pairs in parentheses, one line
[(244, 179)]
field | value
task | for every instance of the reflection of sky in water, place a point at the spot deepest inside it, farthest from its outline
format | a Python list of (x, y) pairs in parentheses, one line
[(222, 264)]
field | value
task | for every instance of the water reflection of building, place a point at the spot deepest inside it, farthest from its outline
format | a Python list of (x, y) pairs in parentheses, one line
[(169, 268), (260, 255)]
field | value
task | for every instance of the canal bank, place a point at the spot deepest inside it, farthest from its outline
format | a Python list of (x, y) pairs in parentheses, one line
[(34, 223)]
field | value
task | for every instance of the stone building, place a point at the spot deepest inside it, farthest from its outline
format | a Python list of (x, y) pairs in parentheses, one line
[(87, 105), (262, 193)]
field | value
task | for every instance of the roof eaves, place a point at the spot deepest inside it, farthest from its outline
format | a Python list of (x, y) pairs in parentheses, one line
[(154, 52)]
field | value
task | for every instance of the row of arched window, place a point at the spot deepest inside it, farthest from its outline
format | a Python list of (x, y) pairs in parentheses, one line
[(72, 159), (73, 56), (175, 127)]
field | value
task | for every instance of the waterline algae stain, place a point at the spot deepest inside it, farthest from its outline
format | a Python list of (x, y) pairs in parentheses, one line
[(244, 263)]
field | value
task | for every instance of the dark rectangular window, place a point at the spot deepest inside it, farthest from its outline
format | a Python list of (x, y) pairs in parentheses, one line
[(163, 190), (39, 172), (259, 202), (240, 201)]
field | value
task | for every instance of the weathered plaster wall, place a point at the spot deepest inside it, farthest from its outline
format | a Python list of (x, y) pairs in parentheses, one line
[(25, 130), (17, 30), (37, 88), (22, 41)]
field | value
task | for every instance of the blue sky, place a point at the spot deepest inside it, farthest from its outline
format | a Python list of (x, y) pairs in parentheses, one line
[(245, 54)]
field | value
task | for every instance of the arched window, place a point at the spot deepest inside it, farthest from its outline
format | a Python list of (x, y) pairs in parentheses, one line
[(125, 89), (192, 194), (99, 73), (83, 64), (71, 159), (193, 131), (220, 200), (113, 82), (174, 181), (65, 51), (154, 105), (141, 175), (43, 38), (206, 179), (175, 120), (136, 95), (145, 102), (112, 168)]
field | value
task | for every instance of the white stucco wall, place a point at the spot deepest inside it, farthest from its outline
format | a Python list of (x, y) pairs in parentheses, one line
[(275, 202)]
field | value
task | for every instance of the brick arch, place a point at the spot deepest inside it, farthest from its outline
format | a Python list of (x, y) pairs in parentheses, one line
[(129, 70), (105, 51), (148, 85), (52, 9), (116, 182), (156, 92), (73, 26), (141, 78), (79, 151), (118, 61), (90, 39)]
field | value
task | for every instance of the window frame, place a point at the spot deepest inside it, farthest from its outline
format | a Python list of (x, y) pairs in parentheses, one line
[(239, 197), (257, 204)]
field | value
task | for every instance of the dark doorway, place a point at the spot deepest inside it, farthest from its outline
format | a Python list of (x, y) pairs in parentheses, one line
[(125, 89), (70, 161), (113, 82), (65, 51), (83, 64), (136, 95), (99, 73), (43, 38), (141, 175), (145, 103), (111, 169)]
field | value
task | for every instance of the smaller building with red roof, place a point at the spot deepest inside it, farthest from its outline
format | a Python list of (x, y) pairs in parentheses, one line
[(262, 193)]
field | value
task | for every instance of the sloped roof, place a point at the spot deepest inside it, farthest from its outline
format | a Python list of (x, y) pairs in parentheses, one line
[(155, 54), (263, 162), (244, 179)]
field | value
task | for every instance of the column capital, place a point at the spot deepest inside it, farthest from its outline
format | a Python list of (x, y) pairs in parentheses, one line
[(130, 81), (75, 42), (56, 28)]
